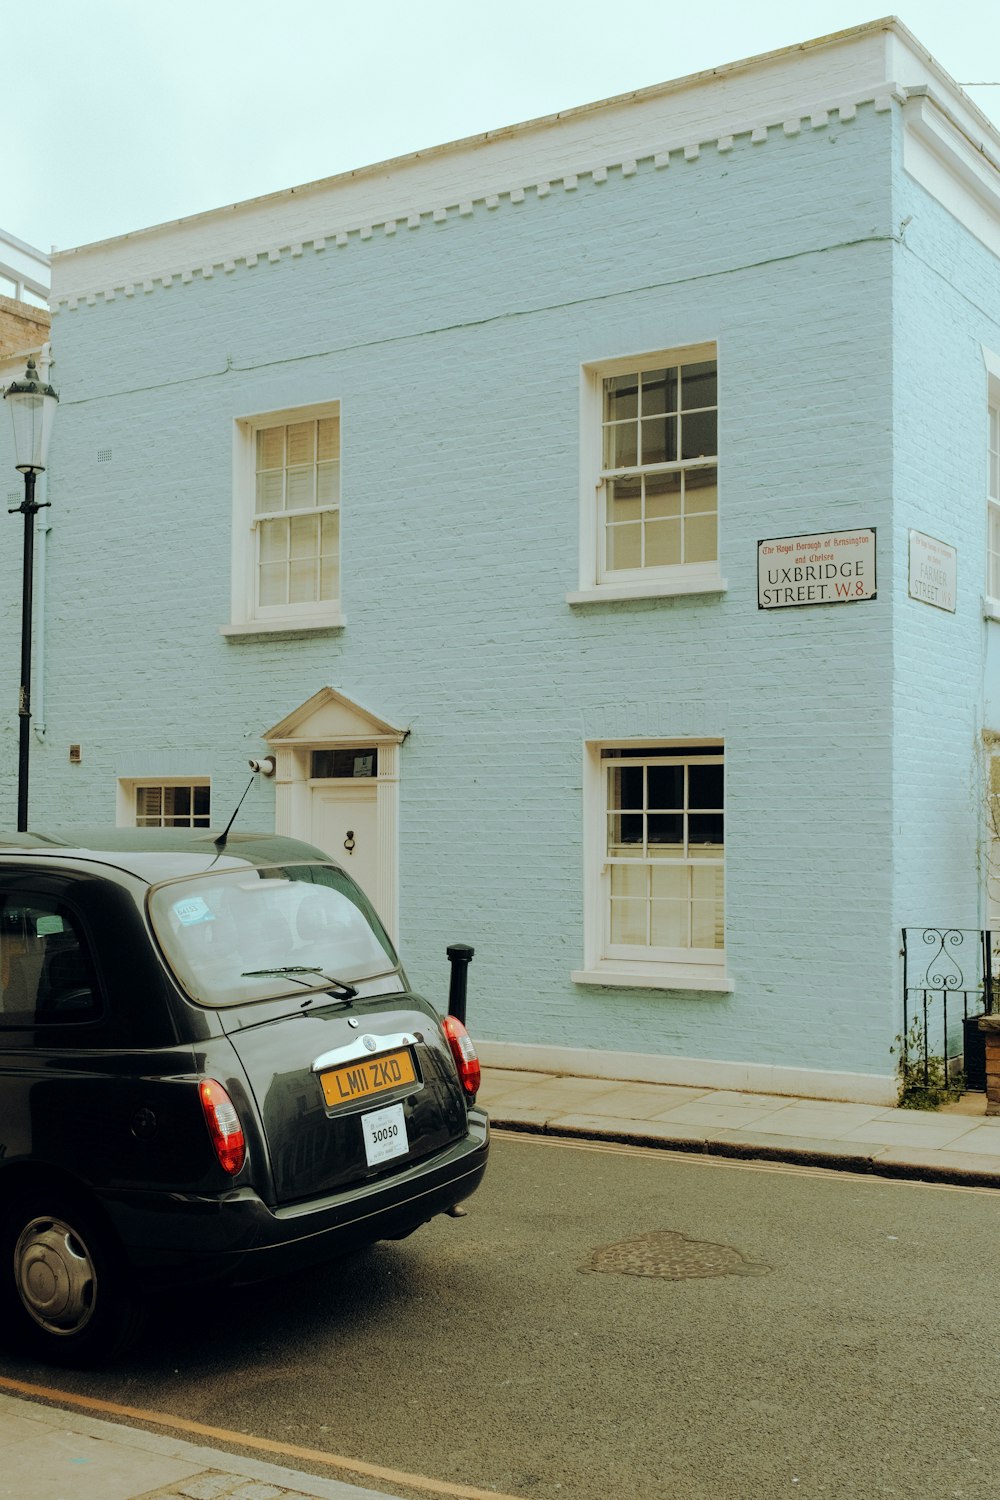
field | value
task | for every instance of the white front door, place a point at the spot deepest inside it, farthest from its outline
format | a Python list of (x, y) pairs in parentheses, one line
[(344, 824)]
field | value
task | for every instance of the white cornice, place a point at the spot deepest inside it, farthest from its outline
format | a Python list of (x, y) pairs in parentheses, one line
[(668, 154)]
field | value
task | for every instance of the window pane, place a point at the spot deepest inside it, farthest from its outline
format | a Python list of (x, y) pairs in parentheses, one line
[(701, 539), (300, 489), (630, 880), (302, 581), (665, 835), (659, 392), (624, 833), (698, 434), (303, 559), (270, 492), (148, 806), (329, 567), (706, 924), (706, 883), (620, 451), (328, 438), (624, 547), (659, 440), (303, 536), (670, 882), (705, 835), (666, 787), (626, 787), (705, 786), (273, 584), (329, 579), (624, 499), (357, 760), (663, 495), (628, 922), (301, 443), (328, 484), (663, 544), (271, 448), (669, 924), (621, 398), (699, 385), (273, 541), (177, 806), (701, 494)]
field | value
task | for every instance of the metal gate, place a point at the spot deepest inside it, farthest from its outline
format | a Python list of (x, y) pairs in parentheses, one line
[(947, 986)]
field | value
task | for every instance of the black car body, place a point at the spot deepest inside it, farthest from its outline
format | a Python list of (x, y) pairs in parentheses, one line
[(212, 1068)]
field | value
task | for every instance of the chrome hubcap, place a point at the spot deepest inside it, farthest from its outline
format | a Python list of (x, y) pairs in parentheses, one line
[(55, 1276)]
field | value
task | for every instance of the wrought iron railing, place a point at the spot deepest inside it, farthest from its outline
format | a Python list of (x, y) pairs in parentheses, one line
[(947, 986)]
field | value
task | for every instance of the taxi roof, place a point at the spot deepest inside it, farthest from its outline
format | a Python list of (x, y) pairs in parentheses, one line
[(156, 853)]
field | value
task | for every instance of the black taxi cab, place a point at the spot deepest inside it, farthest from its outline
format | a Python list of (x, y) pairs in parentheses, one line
[(212, 1068)]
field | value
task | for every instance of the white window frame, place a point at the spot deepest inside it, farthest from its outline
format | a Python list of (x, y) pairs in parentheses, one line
[(247, 616), (993, 498), (127, 810), (677, 969), (595, 582)]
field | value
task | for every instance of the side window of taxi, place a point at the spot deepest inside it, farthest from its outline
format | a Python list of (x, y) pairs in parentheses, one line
[(46, 972)]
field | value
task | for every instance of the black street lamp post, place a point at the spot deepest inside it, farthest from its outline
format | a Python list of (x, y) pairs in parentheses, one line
[(32, 407)]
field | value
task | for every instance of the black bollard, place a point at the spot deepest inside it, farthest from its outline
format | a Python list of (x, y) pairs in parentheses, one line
[(460, 957)]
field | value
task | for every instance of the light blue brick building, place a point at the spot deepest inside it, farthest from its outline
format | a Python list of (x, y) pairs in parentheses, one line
[(445, 482)]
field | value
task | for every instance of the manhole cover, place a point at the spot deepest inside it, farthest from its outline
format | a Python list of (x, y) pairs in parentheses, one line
[(665, 1253)]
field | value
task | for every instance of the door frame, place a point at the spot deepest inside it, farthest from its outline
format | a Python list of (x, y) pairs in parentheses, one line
[(331, 721)]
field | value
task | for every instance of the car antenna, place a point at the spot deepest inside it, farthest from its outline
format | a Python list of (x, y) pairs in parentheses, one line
[(264, 767)]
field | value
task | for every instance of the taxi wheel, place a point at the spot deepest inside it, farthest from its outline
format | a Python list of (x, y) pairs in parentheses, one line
[(66, 1287)]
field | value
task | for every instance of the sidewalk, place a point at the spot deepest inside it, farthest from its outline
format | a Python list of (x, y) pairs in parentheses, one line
[(55, 1454), (954, 1144), (50, 1453)]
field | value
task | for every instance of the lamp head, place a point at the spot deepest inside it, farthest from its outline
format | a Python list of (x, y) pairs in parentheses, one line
[(32, 407)]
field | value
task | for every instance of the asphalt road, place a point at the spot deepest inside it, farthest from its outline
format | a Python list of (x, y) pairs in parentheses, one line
[(790, 1332)]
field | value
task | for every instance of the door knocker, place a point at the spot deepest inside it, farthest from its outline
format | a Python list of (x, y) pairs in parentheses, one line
[(349, 841)]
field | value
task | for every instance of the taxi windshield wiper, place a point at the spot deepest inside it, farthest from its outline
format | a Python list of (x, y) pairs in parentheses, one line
[(294, 970)]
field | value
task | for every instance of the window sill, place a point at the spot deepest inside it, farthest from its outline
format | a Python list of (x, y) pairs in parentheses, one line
[(307, 625), (991, 608), (693, 978), (612, 593)]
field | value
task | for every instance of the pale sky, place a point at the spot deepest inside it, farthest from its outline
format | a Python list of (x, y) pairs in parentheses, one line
[(133, 113)]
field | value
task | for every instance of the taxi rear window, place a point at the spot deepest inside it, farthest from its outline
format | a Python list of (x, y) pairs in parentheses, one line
[(233, 936)]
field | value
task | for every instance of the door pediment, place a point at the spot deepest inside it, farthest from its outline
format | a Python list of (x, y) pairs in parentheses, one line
[(329, 716)]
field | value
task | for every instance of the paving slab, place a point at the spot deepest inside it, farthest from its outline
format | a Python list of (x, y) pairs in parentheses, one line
[(919, 1133), (638, 1100), (731, 1116)]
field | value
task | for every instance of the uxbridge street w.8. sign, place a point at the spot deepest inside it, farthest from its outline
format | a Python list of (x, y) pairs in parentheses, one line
[(829, 567)]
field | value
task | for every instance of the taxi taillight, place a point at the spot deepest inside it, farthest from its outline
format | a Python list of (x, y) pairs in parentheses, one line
[(464, 1053), (224, 1126)]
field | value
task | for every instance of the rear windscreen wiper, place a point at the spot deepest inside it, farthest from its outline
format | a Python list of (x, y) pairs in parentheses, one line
[(294, 970)]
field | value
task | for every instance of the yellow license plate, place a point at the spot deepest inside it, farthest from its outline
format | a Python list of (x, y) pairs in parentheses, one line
[(367, 1077)]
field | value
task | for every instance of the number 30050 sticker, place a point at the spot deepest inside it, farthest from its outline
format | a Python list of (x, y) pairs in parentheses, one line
[(385, 1134)]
